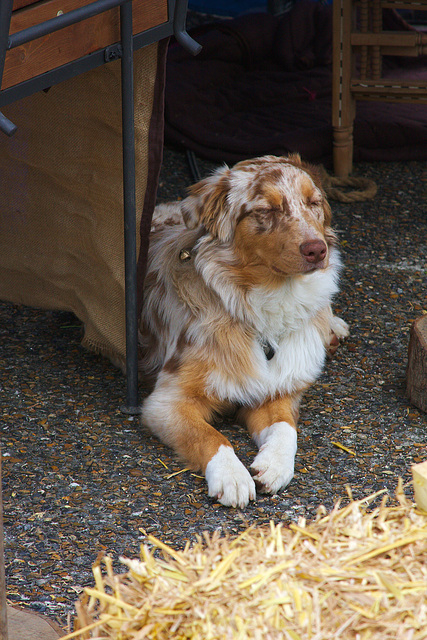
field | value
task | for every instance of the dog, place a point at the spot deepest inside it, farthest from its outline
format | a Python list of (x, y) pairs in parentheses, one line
[(237, 316)]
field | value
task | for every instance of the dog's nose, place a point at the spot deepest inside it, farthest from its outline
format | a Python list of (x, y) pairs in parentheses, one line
[(313, 251)]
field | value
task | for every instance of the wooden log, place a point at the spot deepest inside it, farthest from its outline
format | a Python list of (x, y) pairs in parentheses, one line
[(416, 372)]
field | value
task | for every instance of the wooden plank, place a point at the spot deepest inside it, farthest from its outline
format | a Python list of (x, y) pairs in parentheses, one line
[(388, 90), (18, 4), (73, 42), (393, 43), (387, 83), (386, 38)]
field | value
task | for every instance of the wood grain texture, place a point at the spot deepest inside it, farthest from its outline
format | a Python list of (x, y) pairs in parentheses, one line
[(416, 374), (73, 42), (19, 4)]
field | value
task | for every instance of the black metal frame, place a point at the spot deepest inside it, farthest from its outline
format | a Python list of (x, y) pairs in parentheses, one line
[(175, 25)]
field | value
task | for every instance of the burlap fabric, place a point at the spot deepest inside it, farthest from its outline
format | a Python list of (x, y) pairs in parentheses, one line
[(61, 198)]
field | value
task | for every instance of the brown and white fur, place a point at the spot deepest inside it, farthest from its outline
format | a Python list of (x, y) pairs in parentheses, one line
[(251, 273)]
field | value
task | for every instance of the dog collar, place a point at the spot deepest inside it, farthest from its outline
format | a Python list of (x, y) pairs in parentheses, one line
[(187, 253)]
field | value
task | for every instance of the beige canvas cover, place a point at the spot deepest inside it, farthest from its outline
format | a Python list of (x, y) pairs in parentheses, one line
[(61, 198)]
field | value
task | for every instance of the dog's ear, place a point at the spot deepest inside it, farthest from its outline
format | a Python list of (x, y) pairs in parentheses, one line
[(207, 205), (293, 158)]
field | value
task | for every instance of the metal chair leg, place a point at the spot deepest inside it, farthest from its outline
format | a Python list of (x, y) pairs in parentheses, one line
[(3, 609), (128, 132)]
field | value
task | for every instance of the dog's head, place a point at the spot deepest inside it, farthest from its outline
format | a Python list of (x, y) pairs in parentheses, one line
[(273, 210)]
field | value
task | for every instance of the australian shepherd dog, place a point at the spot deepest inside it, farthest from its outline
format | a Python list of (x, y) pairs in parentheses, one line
[(237, 316)]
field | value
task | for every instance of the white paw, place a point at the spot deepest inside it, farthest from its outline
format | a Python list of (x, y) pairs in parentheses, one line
[(273, 467), (228, 480), (339, 327)]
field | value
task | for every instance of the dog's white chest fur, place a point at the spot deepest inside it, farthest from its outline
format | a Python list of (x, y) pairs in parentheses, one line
[(284, 320)]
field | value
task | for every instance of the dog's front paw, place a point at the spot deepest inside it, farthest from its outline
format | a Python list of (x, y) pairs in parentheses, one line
[(339, 327), (273, 467), (228, 480), (339, 330)]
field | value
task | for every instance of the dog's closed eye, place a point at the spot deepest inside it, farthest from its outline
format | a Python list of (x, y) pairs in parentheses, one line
[(265, 219), (315, 203)]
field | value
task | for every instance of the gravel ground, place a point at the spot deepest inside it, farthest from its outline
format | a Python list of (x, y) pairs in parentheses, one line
[(80, 477)]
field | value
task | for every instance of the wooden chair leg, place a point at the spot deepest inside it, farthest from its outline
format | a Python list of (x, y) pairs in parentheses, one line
[(343, 104), (343, 150)]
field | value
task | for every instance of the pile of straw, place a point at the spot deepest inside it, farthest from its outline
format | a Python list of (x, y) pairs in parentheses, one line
[(359, 572)]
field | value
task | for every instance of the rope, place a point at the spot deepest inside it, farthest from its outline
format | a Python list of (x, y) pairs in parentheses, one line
[(365, 187), (334, 187)]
